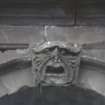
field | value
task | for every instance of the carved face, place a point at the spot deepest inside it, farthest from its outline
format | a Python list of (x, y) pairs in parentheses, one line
[(55, 63)]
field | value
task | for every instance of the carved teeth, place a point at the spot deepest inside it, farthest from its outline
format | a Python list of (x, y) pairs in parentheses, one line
[(55, 65), (56, 70)]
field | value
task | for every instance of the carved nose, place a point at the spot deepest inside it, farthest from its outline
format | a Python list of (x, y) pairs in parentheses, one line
[(56, 55), (55, 52), (56, 59)]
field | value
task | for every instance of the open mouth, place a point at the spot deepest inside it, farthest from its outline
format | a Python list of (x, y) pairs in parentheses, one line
[(54, 70), (55, 74)]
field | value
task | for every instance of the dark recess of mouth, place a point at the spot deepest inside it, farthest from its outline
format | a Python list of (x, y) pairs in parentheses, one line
[(54, 70)]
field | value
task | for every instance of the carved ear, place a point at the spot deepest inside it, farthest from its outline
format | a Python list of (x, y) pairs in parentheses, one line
[(74, 47)]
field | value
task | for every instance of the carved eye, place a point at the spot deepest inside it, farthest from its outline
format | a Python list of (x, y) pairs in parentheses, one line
[(64, 51), (51, 48), (67, 52), (47, 50)]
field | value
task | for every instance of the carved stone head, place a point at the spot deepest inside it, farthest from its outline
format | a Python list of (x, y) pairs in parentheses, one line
[(55, 63)]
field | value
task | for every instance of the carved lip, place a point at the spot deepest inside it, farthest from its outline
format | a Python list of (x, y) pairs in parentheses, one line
[(58, 69), (54, 68), (54, 73)]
